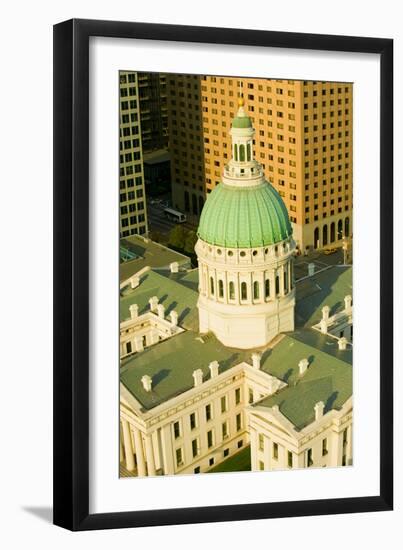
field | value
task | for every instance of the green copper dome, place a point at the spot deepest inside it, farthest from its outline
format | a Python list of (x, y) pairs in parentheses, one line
[(244, 217), (242, 122)]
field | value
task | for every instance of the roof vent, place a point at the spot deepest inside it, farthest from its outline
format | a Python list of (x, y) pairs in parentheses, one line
[(147, 382), (319, 408), (198, 377), (303, 366), (343, 343), (213, 366)]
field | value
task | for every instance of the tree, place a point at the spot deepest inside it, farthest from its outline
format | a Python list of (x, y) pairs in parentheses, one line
[(190, 242), (177, 237)]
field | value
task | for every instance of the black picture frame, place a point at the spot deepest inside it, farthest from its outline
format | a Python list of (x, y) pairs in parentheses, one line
[(71, 273)]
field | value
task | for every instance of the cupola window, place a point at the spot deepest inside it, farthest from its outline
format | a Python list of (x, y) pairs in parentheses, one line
[(244, 291)]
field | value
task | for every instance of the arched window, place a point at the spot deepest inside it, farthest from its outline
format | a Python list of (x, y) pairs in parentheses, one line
[(244, 291), (277, 284), (248, 152), (324, 235), (267, 288), (242, 152), (316, 238), (231, 291), (347, 227), (332, 232), (256, 290), (220, 289), (236, 152), (292, 274), (212, 285), (339, 230), (285, 280)]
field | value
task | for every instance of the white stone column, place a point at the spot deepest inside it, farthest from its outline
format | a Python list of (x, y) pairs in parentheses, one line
[(253, 449), (121, 449), (138, 443), (273, 283), (128, 445), (349, 449), (167, 450), (150, 456)]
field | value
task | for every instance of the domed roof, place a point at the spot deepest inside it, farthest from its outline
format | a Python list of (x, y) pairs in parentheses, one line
[(242, 122), (244, 217)]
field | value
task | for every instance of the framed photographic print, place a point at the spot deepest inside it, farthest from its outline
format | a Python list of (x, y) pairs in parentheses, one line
[(209, 186)]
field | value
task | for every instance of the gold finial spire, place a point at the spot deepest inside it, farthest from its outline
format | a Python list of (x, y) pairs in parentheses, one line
[(241, 102)]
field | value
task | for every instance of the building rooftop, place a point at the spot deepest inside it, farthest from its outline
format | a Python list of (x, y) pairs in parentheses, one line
[(328, 379), (148, 253), (170, 294), (329, 287), (171, 364)]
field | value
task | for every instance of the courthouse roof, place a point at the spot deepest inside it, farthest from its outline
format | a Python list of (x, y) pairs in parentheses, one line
[(170, 294), (171, 364), (147, 253), (328, 378)]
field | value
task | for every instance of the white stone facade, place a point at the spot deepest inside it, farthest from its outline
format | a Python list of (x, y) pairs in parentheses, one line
[(246, 296)]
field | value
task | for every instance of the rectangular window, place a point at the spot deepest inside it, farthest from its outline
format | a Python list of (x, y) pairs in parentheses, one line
[(177, 430), (195, 448), (192, 419), (261, 465), (309, 460), (238, 422), (289, 459), (211, 461), (324, 447), (275, 451), (210, 439), (128, 347), (261, 442), (237, 396), (208, 412), (223, 403), (250, 396), (224, 430), (179, 457), (226, 452)]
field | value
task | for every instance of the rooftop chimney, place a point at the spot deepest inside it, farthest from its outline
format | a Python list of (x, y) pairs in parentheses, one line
[(134, 311), (303, 365), (174, 267), (147, 382), (174, 318), (213, 366), (198, 377), (325, 312), (256, 360), (153, 301), (161, 311), (343, 343), (347, 303), (134, 281), (319, 408)]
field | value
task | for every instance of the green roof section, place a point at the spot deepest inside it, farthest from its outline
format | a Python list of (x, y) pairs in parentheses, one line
[(147, 253), (170, 294), (244, 217), (326, 288), (328, 379), (171, 364)]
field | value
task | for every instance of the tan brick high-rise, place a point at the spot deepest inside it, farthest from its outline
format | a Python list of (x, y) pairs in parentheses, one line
[(303, 140)]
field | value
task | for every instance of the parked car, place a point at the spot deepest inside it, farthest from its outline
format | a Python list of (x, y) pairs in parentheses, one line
[(330, 251)]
